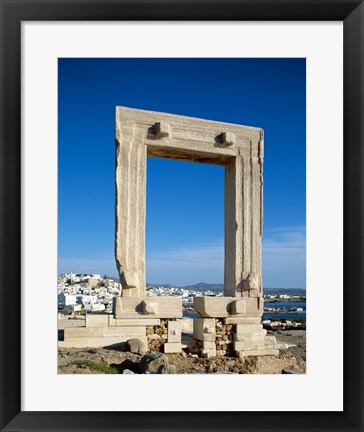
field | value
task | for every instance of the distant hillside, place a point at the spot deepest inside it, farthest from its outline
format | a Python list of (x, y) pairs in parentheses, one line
[(203, 286), (149, 285)]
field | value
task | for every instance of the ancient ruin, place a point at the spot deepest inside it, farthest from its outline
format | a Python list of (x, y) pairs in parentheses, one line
[(240, 149), (228, 325)]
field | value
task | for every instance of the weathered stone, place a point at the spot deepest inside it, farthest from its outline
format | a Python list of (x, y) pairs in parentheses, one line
[(239, 148), (167, 369), (251, 336), (238, 307), (97, 320), (149, 307), (96, 342), (137, 346), (161, 130), (131, 322), (135, 307), (257, 352), (68, 323), (221, 307), (174, 331), (249, 343), (226, 138), (151, 362), (208, 346), (92, 332), (245, 328), (127, 372), (204, 329), (242, 320)]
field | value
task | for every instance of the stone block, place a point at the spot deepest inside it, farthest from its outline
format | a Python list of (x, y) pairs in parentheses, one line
[(257, 352), (238, 307), (161, 130), (149, 307), (250, 337), (226, 138), (207, 345), (270, 342), (242, 320), (223, 307), (137, 346), (124, 331), (83, 332), (213, 307), (174, 331), (95, 342), (90, 332), (134, 307), (97, 320), (204, 329), (249, 345), (70, 323), (247, 328), (172, 347), (133, 322)]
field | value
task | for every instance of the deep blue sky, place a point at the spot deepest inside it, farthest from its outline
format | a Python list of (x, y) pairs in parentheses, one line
[(185, 201)]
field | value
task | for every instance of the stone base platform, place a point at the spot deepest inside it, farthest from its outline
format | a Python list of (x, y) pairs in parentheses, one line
[(261, 352), (218, 338), (101, 331)]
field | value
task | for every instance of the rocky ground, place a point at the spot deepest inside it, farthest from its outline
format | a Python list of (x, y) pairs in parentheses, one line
[(292, 359)]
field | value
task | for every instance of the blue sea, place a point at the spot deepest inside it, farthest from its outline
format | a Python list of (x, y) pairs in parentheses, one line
[(285, 315)]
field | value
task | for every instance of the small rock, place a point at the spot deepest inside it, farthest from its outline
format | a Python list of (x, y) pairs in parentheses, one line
[(136, 346), (128, 372), (167, 369), (151, 362)]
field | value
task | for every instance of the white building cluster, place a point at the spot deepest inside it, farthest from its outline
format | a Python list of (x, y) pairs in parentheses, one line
[(186, 294), (86, 293)]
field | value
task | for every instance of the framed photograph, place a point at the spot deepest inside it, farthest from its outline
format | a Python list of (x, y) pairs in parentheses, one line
[(67, 68)]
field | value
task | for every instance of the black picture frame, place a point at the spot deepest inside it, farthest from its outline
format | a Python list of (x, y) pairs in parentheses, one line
[(13, 12)]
